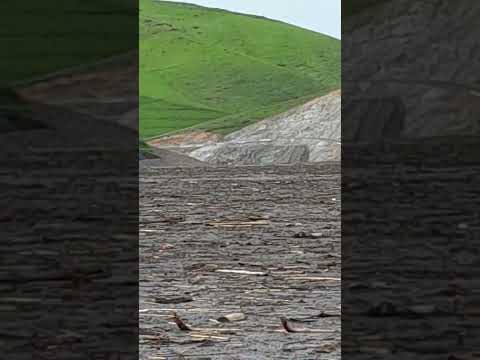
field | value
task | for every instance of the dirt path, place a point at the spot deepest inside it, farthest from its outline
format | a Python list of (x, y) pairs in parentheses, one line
[(278, 225)]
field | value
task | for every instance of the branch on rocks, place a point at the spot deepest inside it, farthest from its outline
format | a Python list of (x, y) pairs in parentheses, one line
[(290, 329), (181, 325)]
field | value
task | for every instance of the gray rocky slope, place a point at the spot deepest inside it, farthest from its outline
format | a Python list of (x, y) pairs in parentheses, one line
[(309, 133)]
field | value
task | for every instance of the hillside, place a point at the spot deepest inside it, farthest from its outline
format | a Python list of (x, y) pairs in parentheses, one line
[(308, 133), (220, 71)]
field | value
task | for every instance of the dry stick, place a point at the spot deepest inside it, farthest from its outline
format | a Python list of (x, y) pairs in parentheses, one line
[(200, 336), (184, 327), (286, 326), (181, 325), (238, 223)]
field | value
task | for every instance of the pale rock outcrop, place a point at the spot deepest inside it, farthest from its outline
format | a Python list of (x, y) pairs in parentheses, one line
[(308, 133)]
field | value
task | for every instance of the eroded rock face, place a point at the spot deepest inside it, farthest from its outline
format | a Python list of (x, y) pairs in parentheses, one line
[(309, 133), (253, 154), (169, 158), (388, 52)]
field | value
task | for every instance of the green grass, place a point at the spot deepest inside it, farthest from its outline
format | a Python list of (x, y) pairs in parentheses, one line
[(40, 37), (219, 71)]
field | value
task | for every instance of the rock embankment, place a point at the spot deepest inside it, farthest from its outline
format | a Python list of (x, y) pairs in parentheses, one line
[(309, 133), (168, 158)]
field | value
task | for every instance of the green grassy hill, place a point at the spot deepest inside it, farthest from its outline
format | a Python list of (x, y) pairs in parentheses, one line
[(219, 71)]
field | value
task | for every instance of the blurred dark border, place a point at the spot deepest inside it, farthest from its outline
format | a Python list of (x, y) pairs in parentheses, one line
[(410, 179), (352, 7), (69, 178)]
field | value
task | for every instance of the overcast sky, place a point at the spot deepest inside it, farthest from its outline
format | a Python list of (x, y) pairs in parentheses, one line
[(323, 16)]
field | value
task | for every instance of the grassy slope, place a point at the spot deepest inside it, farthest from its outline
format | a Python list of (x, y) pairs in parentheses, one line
[(220, 71), (40, 37)]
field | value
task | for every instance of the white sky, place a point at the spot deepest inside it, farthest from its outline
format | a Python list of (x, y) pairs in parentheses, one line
[(323, 16)]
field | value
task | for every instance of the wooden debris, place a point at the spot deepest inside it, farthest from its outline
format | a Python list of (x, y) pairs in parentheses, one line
[(256, 217), (286, 326), (173, 300), (242, 272), (314, 318), (210, 337), (232, 317), (289, 328), (153, 338), (158, 316), (306, 235), (237, 223), (217, 330), (164, 219), (325, 315), (181, 325), (205, 331)]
